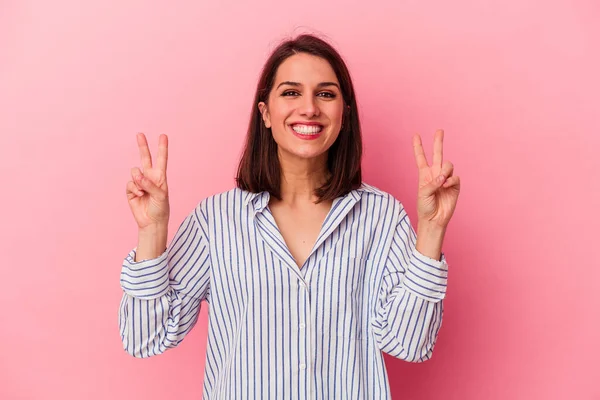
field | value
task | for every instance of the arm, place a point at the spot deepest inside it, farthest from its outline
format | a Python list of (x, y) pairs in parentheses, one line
[(409, 303), (161, 299)]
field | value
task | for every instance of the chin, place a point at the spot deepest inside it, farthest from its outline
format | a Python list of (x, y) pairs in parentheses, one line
[(312, 153), (305, 153)]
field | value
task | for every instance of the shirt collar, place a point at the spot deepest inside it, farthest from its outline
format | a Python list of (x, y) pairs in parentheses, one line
[(261, 199)]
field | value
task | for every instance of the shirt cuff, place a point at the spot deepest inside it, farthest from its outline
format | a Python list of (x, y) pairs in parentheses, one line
[(145, 279), (426, 277)]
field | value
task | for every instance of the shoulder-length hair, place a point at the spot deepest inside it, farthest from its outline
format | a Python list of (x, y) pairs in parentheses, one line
[(259, 168)]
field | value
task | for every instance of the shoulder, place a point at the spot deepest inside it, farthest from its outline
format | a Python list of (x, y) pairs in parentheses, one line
[(224, 201), (374, 192), (387, 203)]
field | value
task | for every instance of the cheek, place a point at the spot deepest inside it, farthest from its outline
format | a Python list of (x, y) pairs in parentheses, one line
[(279, 111), (335, 111), (279, 114)]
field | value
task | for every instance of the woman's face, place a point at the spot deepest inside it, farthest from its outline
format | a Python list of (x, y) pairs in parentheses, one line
[(305, 107)]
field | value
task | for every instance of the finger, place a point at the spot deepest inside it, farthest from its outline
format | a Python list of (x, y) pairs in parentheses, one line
[(447, 169), (452, 181), (133, 189), (145, 155), (430, 188), (163, 153), (147, 185), (135, 172), (438, 145), (419, 153), (440, 181)]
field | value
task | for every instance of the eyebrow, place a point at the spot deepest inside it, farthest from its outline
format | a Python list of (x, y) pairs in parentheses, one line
[(320, 85)]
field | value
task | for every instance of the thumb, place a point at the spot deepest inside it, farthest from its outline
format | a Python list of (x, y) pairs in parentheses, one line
[(148, 185), (433, 186)]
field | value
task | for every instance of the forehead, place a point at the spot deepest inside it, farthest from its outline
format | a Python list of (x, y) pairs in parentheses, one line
[(305, 69)]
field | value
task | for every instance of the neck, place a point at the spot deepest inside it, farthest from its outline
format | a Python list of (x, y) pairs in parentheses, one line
[(299, 179)]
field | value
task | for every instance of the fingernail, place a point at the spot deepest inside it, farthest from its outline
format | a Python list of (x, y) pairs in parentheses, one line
[(441, 178)]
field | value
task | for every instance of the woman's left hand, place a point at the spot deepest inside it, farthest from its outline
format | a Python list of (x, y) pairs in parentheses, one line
[(436, 199)]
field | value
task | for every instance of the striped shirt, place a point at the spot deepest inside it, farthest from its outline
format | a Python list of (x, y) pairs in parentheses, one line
[(276, 331)]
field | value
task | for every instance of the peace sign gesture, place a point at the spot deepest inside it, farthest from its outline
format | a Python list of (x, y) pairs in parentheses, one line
[(436, 198), (147, 193)]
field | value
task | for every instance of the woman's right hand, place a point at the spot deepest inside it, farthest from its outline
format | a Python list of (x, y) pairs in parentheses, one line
[(147, 192)]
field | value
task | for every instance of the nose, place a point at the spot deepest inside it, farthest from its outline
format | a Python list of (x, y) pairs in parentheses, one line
[(309, 107)]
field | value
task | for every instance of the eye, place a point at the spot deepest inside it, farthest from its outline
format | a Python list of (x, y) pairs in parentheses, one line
[(289, 92), (328, 95)]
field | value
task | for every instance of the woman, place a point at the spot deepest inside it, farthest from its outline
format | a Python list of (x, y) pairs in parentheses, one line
[(310, 273)]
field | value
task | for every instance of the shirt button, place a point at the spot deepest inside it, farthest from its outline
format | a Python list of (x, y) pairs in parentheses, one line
[(302, 366), (302, 326)]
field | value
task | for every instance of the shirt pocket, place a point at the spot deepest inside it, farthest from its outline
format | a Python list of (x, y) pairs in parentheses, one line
[(343, 300)]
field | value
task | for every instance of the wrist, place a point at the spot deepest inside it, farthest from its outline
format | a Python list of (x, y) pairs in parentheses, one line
[(152, 242), (430, 239), (153, 229), (430, 229)]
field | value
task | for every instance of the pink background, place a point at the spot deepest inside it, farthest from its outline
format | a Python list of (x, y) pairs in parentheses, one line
[(514, 83)]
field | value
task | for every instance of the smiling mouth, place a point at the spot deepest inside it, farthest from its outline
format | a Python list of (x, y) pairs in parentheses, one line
[(307, 129)]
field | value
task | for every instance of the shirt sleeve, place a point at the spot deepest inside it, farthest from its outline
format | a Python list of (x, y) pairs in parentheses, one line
[(409, 305), (161, 296)]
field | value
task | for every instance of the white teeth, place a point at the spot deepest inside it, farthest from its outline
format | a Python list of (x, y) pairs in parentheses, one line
[(307, 129)]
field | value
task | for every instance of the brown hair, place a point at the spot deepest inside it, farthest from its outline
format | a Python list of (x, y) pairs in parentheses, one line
[(259, 167)]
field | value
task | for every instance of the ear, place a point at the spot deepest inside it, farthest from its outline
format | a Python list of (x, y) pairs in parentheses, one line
[(265, 113)]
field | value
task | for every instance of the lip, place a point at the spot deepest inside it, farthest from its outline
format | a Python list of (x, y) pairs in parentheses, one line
[(311, 123), (306, 137)]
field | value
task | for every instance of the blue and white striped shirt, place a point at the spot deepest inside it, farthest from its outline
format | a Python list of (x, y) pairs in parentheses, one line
[(277, 331)]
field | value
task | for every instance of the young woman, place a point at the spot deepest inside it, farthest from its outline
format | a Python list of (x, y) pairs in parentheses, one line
[(309, 272)]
